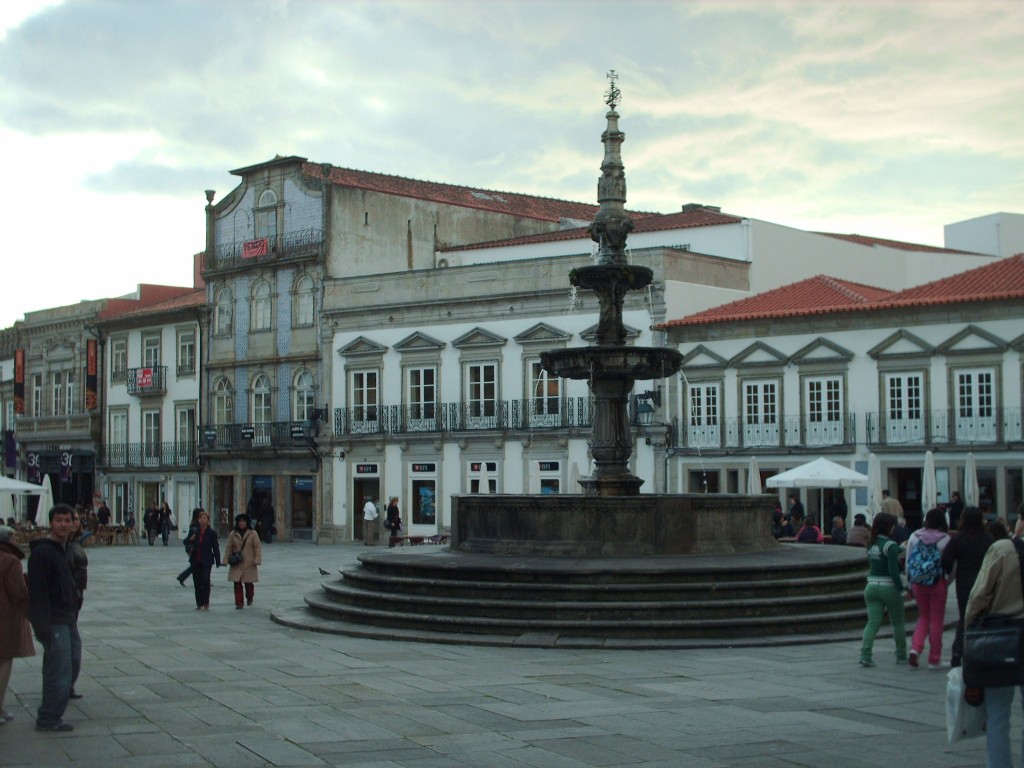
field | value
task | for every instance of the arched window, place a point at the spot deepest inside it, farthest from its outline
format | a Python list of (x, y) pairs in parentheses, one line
[(266, 216), (223, 402), (222, 313), (261, 306), (303, 303), (261, 409), (305, 397)]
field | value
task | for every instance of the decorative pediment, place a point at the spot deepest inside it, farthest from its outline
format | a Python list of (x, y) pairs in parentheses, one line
[(1018, 343), (902, 344), (758, 354), (478, 337), (419, 342), (542, 333), (821, 350), (971, 340), (59, 350), (590, 334), (702, 357), (362, 346)]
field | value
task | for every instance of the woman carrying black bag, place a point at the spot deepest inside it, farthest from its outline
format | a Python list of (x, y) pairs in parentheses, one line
[(999, 589), (393, 521)]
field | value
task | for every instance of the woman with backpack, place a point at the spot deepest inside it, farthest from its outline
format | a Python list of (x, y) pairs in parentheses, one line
[(928, 585)]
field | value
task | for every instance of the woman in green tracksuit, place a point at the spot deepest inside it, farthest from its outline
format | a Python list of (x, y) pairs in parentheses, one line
[(884, 590)]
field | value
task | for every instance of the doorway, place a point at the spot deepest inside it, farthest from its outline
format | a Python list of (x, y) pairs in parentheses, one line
[(363, 488), (908, 493)]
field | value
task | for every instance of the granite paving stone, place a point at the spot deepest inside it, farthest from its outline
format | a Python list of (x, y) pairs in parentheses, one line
[(167, 686)]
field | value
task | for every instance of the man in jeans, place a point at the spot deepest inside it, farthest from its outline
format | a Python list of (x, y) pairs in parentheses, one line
[(998, 589), (53, 605)]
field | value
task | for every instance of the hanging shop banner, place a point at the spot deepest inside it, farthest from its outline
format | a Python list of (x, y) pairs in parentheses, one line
[(19, 381), (32, 465), (92, 400), (255, 248), (65, 467)]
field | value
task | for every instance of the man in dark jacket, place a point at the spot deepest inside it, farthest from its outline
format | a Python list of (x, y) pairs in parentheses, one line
[(53, 606)]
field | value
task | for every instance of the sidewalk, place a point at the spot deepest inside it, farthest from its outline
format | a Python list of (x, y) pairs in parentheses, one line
[(165, 685)]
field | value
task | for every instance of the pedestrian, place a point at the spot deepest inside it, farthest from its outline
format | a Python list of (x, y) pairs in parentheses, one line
[(78, 561), (103, 514), (961, 560), (244, 554), (998, 589), (393, 520), (929, 586), (15, 631), (151, 522), (371, 520), (167, 523), (190, 544), (796, 511), (838, 532), (956, 510), (205, 553), (810, 533), (859, 533), (53, 605), (884, 590), (268, 520)]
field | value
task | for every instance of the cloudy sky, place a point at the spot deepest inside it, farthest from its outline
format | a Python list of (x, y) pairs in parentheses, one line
[(881, 118)]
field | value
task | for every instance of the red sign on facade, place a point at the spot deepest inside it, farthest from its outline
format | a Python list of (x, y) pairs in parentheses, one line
[(145, 377), (255, 248)]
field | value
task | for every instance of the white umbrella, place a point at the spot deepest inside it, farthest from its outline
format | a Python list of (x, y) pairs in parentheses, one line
[(929, 489), (10, 486), (485, 478), (820, 473), (972, 492), (874, 485), (534, 478), (45, 502), (754, 477), (6, 507), (574, 478)]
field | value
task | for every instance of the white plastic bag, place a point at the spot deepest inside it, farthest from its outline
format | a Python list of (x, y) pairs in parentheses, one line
[(962, 720)]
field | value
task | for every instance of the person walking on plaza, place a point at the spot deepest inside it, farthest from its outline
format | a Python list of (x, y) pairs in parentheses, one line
[(796, 511), (205, 553), (166, 523), (53, 606), (393, 520), (244, 568), (78, 561), (15, 631), (891, 506), (371, 520), (151, 522), (956, 510), (928, 583), (268, 520), (189, 544), (998, 589), (962, 559), (884, 590)]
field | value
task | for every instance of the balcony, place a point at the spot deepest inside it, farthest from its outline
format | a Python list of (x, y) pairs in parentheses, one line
[(144, 382), (272, 434), (149, 455), (788, 432), (997, 426), (76, 425), (503, 415), (298, 244)]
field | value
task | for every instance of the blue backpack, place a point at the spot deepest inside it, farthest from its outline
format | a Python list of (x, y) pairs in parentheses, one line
[(924, 566)]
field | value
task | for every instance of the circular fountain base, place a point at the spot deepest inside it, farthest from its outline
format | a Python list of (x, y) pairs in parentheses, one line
[(564, 525)]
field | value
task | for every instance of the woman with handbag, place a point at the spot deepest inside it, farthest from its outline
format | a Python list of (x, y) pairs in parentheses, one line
[(884, 590), (962, 559), (393, 521), (244, 555), (205, 552), (999, 589)]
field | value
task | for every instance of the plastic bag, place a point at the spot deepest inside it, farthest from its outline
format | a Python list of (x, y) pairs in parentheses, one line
[(962, 720)]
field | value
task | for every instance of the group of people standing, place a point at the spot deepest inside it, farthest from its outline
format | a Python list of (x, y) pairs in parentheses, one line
[(159, 521), (983, 563), (242, 554), (371, 521)]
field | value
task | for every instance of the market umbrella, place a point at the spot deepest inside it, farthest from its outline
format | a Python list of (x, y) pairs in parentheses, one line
[(485, 478), (9, 485), (754, 477), (820, 473), (874, 486), (6, 507), (929, 489), (972, 493), (45, 502), (574, 478)]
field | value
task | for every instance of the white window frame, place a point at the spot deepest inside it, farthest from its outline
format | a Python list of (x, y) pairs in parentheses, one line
[(545, 397), (187, 352), (304, 397), (261, 306), (119, 359), (704, 414), (186, 433), (481, 398), (421, 397), (824, 410), (151, 437), (266, 217), (904, 407), (37, 395), (761, 398), (151, 344), (117, 443), (222, 312), (261, 409), (975, 405), (364, 389), (223, 402), (304, 305)]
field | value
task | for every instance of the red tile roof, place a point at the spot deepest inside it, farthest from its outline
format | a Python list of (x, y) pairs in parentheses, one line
[(514, 204), (1002, 279), (897, 244), (155, 299), (643, 222), (815, 295)]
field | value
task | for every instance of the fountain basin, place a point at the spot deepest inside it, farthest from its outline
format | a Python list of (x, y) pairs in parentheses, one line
[(633, 363)]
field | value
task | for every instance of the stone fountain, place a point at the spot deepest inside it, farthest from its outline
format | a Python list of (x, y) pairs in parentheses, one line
[(610, 567)]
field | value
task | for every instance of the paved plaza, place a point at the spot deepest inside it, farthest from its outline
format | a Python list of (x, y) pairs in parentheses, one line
[(165, 685)]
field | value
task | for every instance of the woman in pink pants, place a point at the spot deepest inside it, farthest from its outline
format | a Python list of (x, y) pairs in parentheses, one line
[(928, 585)]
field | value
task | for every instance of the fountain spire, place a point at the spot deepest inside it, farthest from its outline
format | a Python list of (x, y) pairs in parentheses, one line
[(612, 224)]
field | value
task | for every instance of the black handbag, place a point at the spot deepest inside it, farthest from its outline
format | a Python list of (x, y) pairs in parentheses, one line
[(235, 558), (994, 647)]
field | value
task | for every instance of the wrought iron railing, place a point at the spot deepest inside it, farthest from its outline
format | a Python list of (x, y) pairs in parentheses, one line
[(147, 381), (270, 434), (789, 431), (149, 455), (502, 415), (946, 427), (288, 244)]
